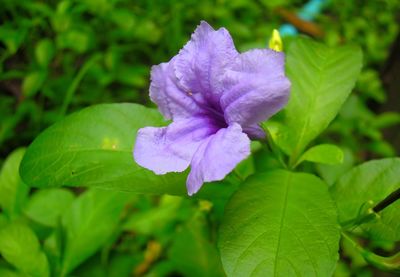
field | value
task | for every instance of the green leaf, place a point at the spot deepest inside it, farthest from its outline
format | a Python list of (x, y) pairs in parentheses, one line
[(44, 52), (280, 223), (324, 154), (47, 205), (13, 192), (93, 147), (331, 173), (33, 82), (3, 221), (192, 238), (365, 186), (89, 223), (322, 78), (154, 220), (12, 37), (5, 272), (386, 120), (20, 247), (76, 40)]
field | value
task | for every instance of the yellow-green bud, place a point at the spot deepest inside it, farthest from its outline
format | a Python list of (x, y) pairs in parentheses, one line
[(275, 43)]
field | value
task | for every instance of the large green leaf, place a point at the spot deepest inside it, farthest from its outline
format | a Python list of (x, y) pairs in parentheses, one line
[(89, 223), (93, 147), (322, 78), (280, 223), (364, 186), (13, 192), (20, 247), (47, 205)]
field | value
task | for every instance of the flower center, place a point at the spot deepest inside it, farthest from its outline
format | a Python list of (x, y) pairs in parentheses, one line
[(217, 116)]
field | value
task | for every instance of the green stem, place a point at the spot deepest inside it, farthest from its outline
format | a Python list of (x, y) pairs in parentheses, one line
[(373, 212), (237, 176), (274, 148), (292, 161), (391, 263), (74, 85), (390, 199)]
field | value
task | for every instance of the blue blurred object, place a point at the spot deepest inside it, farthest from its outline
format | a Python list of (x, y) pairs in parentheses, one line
[(309, 11), (288, 30)]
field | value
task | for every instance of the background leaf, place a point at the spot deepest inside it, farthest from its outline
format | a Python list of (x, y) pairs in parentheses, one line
[(13, 192), (156, 219), (33, 82), (280, 224), (322, 78), (20, 247), (44, 52), (192, 253), (47, 205), (89, 223), (370, 181)]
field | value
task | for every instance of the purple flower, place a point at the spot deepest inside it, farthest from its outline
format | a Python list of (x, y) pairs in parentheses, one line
[(215, 97)]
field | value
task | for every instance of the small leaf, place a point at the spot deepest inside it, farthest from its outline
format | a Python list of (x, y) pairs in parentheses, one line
[(44, 52), (322, 79), (76, 40), (33, 82), (280, 223), (324, 154), (331, 173), (12, 37), (89, 223), (47, 205), (13, 192), (386, 120), (20, 247), (368, 184)]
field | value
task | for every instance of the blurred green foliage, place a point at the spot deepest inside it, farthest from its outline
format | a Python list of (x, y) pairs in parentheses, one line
[(59, 56), (374, 26)]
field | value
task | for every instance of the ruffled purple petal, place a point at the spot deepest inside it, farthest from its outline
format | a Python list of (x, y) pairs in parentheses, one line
[(171, 148), (217, 156), (201, 63), (255, 87), (172, 101), (254, 132)]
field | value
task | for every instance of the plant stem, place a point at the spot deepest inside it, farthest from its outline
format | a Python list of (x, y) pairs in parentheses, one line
[(274, 148), (74, 85), (391, 263), (390, 199), (237, 175), (372, 212)]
